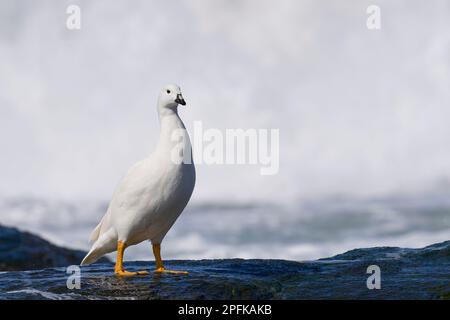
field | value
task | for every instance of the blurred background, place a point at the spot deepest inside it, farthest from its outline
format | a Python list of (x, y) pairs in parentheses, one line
[(363, 118)]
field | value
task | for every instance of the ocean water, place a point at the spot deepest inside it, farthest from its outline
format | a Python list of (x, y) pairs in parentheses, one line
[(310, 230)]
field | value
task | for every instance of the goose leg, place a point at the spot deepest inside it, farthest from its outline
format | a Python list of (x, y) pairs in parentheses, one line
[(118, 269), (159, 264)]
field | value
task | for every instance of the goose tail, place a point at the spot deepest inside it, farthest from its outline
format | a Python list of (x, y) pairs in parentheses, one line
[(106, 243)]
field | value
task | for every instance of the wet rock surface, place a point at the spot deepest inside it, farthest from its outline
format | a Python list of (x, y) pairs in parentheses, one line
[(405, 274)]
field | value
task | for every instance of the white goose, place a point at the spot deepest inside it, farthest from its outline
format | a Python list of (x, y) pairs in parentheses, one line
[(153, 193)]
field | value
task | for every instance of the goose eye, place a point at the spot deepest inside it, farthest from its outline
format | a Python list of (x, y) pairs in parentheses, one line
[(168, 91)]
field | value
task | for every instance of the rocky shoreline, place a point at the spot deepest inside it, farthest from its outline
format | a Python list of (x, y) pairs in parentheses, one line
[(21, 250), (403, 274)]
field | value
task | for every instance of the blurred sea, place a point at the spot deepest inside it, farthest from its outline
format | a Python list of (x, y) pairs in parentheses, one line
[(360, 112), (308, 230)]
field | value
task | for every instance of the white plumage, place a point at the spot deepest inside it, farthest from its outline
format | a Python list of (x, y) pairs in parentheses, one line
[(154, 192)]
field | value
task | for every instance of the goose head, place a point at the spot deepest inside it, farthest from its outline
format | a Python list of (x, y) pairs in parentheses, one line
[(170, 97)]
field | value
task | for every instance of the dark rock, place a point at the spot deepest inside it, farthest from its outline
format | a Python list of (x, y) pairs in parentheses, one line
[(24, 251), (405, 274)]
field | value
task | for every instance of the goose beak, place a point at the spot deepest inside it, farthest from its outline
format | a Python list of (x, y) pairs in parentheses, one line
[(180, 100)]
